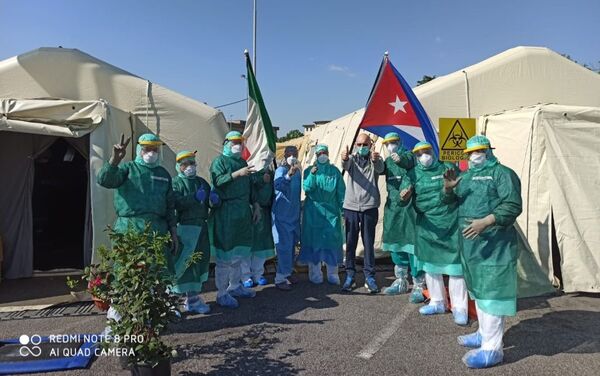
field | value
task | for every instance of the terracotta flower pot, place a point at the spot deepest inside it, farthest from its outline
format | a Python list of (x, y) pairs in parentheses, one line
[(100, 304)]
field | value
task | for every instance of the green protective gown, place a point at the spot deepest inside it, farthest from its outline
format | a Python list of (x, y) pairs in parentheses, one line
[(192, 229), (231, 226), (437, 223), (143, 194), (322, 236), (262, 244), (490, 260), (398, 216)]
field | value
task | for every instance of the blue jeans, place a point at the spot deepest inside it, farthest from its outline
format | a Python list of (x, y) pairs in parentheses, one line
[(363, 222)]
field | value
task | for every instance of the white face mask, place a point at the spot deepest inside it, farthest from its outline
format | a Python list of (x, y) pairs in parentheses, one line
[(291, 160), (150, 157), (323, 158), (477, 159), (392, 148), (236, 149), (190, 171), (425, 160)]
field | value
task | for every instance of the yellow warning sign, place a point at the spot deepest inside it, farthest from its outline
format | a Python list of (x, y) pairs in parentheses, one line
[(454, 133)]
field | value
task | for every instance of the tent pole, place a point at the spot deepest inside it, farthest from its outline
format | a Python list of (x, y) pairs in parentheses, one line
[(467, 94)]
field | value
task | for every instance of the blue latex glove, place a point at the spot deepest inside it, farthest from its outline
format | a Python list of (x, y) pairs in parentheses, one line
[(214, 198), (200, 195)]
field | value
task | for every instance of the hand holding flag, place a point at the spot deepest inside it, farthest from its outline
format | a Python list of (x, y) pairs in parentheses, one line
[(346, 153)]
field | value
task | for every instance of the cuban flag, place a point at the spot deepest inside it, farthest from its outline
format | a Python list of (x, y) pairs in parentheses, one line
[(393, 107)]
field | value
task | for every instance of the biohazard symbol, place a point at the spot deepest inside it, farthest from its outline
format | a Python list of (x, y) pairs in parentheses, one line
[(456, 139)]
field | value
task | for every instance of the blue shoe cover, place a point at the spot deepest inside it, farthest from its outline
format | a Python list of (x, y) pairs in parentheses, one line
[(227, 301), (333, 279), (399, 286), (242, 292), (197, 306), (416, 296), (472, 340), (262, 281), (460, 317), (432, 309), (482, 358), (248, 283)]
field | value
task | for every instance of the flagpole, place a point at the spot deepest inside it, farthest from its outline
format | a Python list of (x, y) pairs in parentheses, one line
[(254, 40), (385, 59), (246, 55)]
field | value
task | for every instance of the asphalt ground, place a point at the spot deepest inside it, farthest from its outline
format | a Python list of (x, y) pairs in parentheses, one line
[(318, 330)]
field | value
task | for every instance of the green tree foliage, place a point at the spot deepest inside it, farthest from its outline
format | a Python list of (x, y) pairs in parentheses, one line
[(291, 135), (585, 65), (425, 79)]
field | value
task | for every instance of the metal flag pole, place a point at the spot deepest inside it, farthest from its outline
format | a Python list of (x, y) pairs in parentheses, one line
[(254, 40)]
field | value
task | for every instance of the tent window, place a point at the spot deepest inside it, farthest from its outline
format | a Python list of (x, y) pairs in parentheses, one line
[(59, 204)]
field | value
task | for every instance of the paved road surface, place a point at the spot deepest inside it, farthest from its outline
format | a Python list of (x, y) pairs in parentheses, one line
[(316, 330)]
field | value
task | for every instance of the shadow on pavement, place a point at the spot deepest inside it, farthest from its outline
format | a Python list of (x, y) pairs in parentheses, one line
[(245, 354), (269, 306), (574, 332)]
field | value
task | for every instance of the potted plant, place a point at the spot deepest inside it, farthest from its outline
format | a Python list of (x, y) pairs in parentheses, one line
[(138, 291), (97, 280)]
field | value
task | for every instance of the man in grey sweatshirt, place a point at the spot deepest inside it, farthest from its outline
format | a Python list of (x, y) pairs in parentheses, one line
[(361, 208)]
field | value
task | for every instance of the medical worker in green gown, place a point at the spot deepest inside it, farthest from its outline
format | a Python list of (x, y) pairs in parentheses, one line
[(489, 199), (193, 198), (263, 247), (143, 191), (322, 237), (232, 222), (436, 244), (399, 220)]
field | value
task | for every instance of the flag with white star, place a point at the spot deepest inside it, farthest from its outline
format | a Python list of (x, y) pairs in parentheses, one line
[(393, 107)]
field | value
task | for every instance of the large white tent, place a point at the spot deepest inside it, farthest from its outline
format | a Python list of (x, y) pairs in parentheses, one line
[(518, 77), (554, 150), (56, 93)]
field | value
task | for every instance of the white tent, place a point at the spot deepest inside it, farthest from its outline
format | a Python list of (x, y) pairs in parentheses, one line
[(53, 93), (521, 76), (554, 150)]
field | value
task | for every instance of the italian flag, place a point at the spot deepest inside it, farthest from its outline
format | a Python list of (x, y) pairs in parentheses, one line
[(258, 135)]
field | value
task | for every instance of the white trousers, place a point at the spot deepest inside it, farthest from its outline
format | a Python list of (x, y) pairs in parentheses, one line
[(252, 267), (456, 286), (227, 276), (491, 328)]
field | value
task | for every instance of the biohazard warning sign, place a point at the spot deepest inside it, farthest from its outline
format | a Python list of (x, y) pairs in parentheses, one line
[(454, 133)]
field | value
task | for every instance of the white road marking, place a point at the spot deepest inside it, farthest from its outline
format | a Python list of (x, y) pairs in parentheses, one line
[(377, 343)]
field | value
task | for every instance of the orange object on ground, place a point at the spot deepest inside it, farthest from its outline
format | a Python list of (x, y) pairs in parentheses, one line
[(471, 304)]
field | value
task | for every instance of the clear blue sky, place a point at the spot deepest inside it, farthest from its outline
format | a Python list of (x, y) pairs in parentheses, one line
[(317, 59)]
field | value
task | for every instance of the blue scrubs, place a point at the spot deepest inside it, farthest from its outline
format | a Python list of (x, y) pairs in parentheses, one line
[(286, 220)]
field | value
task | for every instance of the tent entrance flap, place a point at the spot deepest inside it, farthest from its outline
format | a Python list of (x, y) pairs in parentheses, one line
[(59, 207)]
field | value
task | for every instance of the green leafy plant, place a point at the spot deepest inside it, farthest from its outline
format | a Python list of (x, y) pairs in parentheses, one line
[(139, 293), (96, 278)]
